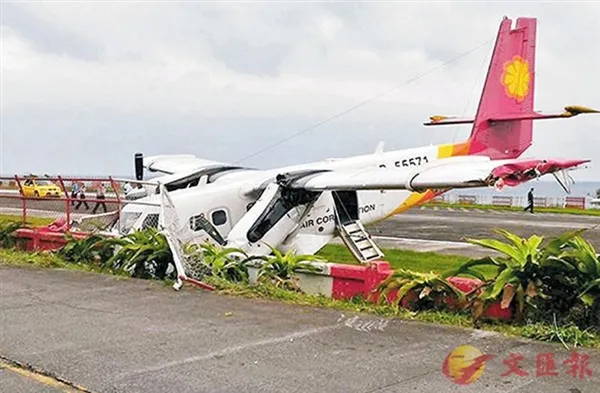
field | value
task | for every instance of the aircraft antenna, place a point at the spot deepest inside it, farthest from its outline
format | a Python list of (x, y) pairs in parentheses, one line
[(481, 67), (362, 103)]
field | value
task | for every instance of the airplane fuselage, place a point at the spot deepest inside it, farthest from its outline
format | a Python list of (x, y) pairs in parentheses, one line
[(225, 200)]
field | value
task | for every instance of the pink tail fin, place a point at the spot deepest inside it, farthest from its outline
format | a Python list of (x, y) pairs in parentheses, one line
[(508, 91)]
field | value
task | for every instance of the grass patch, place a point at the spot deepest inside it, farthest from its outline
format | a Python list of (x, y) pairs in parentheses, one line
[(537, 209), (422, 262), (568, 335), (31, 221), (48, 259)]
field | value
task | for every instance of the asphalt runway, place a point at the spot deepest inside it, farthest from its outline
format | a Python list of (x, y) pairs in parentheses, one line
[(108, 334), (446, 229)]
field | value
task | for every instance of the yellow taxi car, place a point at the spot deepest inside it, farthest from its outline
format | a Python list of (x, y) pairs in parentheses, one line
[(38, 188)]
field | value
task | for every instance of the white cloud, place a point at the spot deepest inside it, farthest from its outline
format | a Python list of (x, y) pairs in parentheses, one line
[(224, 80)]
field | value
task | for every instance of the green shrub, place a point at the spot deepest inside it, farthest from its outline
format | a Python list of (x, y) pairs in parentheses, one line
[(560, 279), (145, 254), (210, 260), (8, 238), (92, 248), (419, 291), (280, 269)]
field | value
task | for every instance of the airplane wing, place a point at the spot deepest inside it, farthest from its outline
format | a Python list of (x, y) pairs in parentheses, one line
[(176, 163), (459, 172)]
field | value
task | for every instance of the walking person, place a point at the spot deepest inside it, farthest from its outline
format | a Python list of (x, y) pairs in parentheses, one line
[(529, 201), (82, 198), (74, 192), (100, 194)]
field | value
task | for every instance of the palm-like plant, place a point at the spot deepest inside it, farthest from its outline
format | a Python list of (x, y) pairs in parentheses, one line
[(280, 269), (430, 287), (573, 277), (517, 271), (87, 249), (523, 270), (146, 254), (228, 263)]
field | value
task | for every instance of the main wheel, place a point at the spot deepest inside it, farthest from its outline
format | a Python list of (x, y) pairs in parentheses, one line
[(36, 194)]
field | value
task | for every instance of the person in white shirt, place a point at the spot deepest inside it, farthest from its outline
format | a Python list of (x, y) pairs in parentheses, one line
[(100, 194)]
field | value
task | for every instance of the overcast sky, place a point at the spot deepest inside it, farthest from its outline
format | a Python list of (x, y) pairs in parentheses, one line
[(86, 85)]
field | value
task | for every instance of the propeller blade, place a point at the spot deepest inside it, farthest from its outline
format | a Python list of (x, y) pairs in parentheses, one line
[(139, 166)]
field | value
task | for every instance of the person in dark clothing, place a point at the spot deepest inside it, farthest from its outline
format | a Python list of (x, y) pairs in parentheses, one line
[(82, 198), (74, 192), (529, 201)]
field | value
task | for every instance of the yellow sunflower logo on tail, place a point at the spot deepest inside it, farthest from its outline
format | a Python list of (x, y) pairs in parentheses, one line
[(516, 78)]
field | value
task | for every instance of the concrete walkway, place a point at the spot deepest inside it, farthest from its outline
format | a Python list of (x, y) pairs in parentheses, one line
[(110, 334)]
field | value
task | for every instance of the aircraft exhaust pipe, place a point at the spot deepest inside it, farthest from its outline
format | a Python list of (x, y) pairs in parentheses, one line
[(139, 166)]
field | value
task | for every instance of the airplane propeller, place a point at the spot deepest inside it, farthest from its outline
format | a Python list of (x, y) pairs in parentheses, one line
[(139, 166)]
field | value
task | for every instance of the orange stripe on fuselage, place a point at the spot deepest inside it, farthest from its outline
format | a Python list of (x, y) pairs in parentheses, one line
[(418, 198), (454, 150)]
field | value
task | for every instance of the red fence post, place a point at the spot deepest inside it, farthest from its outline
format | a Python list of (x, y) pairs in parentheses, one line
[(115, 188), (23, 199), (68, 201)]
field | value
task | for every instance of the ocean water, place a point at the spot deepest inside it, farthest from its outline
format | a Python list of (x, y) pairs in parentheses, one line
[(547, 189)]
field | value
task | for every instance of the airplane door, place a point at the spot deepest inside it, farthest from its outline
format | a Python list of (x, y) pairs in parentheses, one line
[(346, 205)]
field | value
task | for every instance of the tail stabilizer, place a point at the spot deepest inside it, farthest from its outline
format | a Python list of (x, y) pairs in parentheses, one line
[(508, 90), (503, 125), (569, 111)]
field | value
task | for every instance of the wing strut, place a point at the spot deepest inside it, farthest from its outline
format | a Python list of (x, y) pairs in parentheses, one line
[(563, 177)]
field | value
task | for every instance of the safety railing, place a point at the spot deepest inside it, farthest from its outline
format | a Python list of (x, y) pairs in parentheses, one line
[(68, 201), (515, 201)]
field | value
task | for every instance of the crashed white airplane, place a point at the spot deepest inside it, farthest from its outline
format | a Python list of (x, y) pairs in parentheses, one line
[(303, 207)]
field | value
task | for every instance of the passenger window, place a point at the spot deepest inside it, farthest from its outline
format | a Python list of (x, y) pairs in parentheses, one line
[(219, 217)]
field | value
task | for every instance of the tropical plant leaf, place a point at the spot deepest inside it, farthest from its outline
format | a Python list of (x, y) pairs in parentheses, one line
[(508, 294), (496, 245), (506, 277)]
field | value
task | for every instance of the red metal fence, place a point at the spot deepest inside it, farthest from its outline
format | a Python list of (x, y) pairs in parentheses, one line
[(60, 199)]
